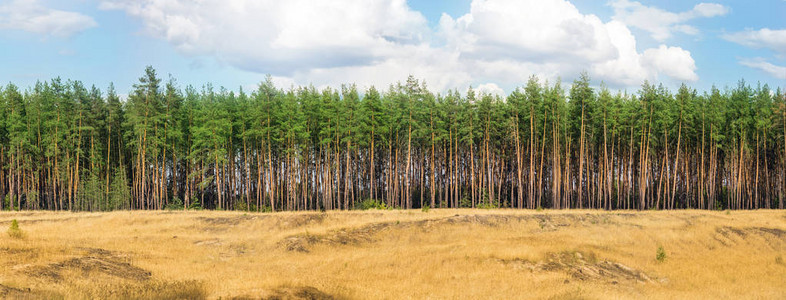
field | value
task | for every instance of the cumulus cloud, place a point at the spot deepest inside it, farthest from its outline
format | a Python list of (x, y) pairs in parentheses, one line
[(763, 38), (510, 40), (32, 16), (491, 89), (441, 69), (661, 23), (281, 36), (672, 61), (377, 42), (708, 10), (762, 65), (545, 28)]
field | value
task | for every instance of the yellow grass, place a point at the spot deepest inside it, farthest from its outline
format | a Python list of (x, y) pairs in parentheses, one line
[(502, 254)]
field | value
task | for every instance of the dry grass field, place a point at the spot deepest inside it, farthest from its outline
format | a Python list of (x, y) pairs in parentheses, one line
[(502, 254)]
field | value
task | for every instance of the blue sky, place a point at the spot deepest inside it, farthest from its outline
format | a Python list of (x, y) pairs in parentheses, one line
[(493, 45)]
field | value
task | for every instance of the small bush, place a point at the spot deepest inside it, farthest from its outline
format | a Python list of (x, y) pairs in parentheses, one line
[(195, 204), (465, 202), (371, 204), (425, 208), (486, 204), (175, 204), (660, 255), (14, 231), (539, 208), (241, 205)]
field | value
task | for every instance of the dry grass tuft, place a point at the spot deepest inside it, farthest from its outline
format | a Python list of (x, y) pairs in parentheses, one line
[(144, 290), (7, 292)]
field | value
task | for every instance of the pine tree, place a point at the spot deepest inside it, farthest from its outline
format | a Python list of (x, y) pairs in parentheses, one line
[(119, 192)]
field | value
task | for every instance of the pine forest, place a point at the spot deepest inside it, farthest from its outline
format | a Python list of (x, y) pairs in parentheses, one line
[(66, 146)]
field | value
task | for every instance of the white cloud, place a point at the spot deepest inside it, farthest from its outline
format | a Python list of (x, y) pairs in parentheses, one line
[(378, 42), (281, 36), (763, 38), (509, 40), (545, 28), (31, 16), (773, 39), (491, 89), (627, 68), (761, 64), (672, 61), (441, 69), (661, 23), (708, 10)]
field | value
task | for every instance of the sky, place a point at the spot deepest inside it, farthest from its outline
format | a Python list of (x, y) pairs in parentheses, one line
[(492, 45)]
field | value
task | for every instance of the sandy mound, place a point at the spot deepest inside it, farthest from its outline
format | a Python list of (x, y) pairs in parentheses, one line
[(582, 266), (97, 262)]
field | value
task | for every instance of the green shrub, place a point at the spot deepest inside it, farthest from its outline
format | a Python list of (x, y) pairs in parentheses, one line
[(483, 205), (14, 231), (265, 208), (660, 255), (719, 204), (174, 204), (465, 202), (195, 205), (7, 202), (486, 203), (371, 204), (240, 205), (425, 208)]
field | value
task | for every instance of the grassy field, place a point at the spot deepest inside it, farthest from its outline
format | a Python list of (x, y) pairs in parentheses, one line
[(501, 254)]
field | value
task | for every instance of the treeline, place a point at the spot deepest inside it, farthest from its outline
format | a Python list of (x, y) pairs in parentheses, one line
[(64, 146)]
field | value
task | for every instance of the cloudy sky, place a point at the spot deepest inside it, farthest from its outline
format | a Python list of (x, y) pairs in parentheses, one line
[(493, 45)]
